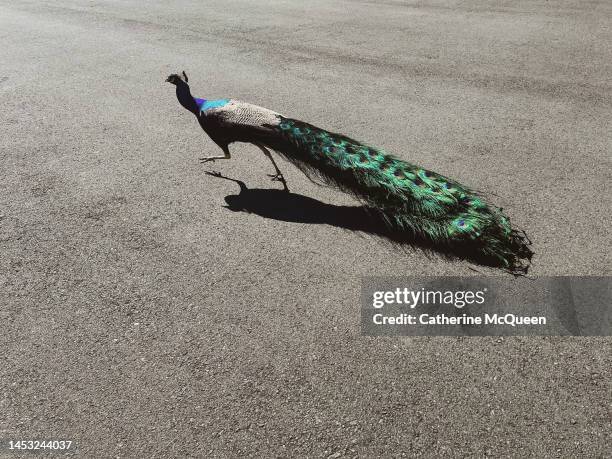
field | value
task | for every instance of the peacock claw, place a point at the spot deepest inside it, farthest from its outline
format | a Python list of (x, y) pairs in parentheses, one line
[(214, 173), (205, 160), (279, 178)]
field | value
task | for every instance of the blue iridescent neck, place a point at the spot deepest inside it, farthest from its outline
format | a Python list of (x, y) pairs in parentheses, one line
[(185, 98), (204, 104)]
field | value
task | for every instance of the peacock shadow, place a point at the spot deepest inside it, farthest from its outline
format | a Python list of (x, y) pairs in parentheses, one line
[(296, 208)]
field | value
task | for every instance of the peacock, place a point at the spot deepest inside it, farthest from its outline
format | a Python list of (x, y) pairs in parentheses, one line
[(409, 198)]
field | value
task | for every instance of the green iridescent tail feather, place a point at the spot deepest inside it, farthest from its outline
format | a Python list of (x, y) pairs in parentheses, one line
[(409, 198)]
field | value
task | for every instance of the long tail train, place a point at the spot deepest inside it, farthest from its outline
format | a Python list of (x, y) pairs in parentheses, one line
[(409, 198)]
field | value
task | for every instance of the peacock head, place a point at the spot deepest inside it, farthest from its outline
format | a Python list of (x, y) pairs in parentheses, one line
[(178, 79)]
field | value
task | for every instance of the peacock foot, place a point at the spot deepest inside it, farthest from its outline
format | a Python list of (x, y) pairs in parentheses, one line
[(279, 178)]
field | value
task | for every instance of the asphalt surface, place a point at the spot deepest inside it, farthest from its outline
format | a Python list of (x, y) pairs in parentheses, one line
[(142, 318)]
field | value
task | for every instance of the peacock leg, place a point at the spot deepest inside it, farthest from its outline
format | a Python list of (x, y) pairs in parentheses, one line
[(212, 158), (279, 175)]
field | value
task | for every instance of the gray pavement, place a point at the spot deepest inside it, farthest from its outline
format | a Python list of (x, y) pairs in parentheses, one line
[(142, 318)]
